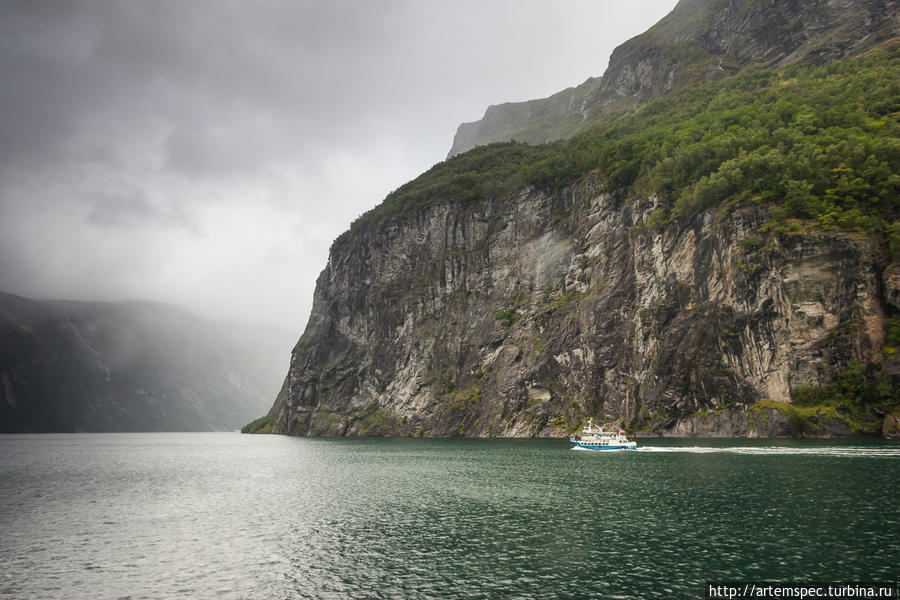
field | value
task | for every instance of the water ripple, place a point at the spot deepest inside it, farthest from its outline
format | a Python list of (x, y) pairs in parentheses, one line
[(227, 516), (848, 451)]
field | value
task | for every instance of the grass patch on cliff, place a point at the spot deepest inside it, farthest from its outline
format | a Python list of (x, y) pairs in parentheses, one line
[(892, 339), (800, 421), (483, 373), (855, 386), (856, 398), (817, 144), (507, 316), (462, 400), (378, 422), (444, 382), (808, 419), (264, 424)]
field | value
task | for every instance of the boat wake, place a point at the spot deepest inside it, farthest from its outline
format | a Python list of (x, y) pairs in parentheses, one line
[(852, 451)]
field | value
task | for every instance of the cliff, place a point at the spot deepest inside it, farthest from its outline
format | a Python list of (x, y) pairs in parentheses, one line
[(700, 40), (719, 261), (83, 366), (521, 317)]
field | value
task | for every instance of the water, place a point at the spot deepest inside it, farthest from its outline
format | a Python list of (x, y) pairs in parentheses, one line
[(230, 516)]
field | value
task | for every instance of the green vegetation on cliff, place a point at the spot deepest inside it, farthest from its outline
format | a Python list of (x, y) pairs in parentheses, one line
[(264, 424), (817, 144), (853, 386), (857, 397)]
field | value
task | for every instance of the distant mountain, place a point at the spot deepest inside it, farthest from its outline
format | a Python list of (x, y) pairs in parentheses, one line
[(83, 366), (700, 40)]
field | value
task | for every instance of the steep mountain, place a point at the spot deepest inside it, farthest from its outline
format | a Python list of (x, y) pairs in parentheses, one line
[(700, 40), (80, 366), (720, 260)]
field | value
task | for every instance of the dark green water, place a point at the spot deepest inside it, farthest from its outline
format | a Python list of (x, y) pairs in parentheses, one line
[(231, 516)]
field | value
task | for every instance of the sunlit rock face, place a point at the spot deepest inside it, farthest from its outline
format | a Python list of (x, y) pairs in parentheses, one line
[(520, 317)]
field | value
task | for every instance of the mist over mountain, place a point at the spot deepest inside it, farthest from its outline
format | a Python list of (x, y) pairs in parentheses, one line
[(85, 366)]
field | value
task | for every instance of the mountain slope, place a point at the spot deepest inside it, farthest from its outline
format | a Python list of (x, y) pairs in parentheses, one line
[(722, 260), (79, 366), (700, 40)]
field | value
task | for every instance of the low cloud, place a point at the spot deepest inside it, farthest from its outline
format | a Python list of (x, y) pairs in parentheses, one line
[(206, 153), (135, 211)]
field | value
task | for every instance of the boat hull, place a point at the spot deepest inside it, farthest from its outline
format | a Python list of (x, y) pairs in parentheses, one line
[(610, 448)]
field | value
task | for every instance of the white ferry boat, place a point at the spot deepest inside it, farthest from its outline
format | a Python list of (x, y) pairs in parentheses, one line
[(594, 438)]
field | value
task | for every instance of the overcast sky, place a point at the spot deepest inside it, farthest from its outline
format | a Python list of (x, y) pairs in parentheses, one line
[(206, 152)]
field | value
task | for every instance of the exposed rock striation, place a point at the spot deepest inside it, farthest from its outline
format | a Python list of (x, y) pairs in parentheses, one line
[(700, 40), (521, 316)]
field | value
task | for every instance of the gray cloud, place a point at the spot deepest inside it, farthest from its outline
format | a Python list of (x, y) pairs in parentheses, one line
[(135, 210), (207, 152)]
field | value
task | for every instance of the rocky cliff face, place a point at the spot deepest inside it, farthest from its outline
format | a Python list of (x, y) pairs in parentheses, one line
[(522, 316), (523, 311), (700, 40)]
